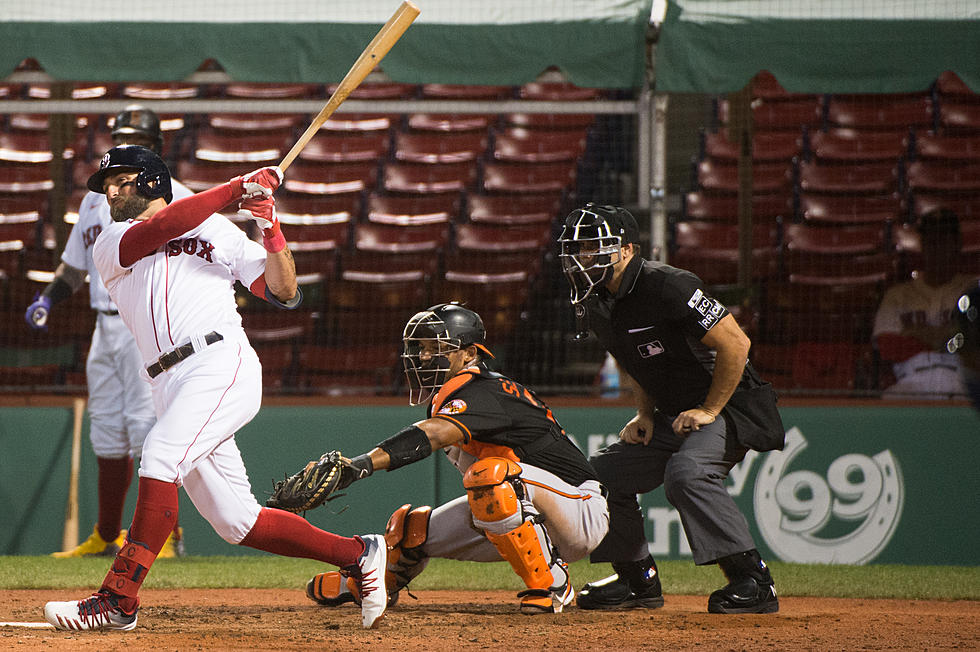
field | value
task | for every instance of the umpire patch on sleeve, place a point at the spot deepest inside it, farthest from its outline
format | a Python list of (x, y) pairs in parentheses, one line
[(710, 309), (454, 406)]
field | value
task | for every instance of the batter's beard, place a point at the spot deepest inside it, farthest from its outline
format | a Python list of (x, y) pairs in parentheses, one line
[(128, 208)]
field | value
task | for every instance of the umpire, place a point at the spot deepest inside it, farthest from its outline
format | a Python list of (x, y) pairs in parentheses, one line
[(700, 407)]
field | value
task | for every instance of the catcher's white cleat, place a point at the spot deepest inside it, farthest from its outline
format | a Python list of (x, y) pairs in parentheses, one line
[(370, 576), (100, 611)]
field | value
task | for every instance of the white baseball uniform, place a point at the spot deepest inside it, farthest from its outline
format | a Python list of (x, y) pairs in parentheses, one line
[(914, 303), (175, 296), (119, 404)]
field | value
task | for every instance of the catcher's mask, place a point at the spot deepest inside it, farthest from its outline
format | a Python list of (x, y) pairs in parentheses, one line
[(154, 177), (428, 337), (139, 120), (590, 245)]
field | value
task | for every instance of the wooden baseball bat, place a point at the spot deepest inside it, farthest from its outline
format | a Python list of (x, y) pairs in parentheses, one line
[(69, 538), (372, 54)]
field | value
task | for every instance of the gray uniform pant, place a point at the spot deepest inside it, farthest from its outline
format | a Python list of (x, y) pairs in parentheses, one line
[(692, 470)]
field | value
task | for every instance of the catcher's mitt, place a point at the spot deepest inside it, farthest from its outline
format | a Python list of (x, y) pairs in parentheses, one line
[(317, 483)]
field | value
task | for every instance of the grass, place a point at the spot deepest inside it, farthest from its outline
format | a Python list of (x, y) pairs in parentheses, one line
[(679, 577)]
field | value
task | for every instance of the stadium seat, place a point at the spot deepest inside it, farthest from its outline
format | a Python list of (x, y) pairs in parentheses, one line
[(854, 146), (371, 90), (348, 369), (303, 218), (498, 238), (465, 92), (820, 209), (881, 111), (265, 91), (950, 87), (908, 247), (222, 147), (428, 178), (943, 176), (532, 146), (443, 122), (161, 91), (413, 209), (436, 147), (360, 122), (16, 178), (799, 312), (384, 266), (711, 250), (19, 219), (781, 115), (836, 254), (829, 366), (720, 177), (557, 92), (282, 123), (963, 148), (766, 146), (959, 118), (389, 238), (577, 122), (346, 147), (532, 178), (200, 176), (330, 178), (966, 205), (513, 209), (11, 259), (498, 298), (372, 310), (724, 208), (855, 178), (29, 147)]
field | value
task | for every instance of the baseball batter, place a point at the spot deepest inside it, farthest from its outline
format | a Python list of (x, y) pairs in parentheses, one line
[(170, 268), (119, 404), (531, 496)]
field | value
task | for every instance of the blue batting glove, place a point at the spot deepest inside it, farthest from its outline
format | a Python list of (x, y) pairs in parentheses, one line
[(37, 313)]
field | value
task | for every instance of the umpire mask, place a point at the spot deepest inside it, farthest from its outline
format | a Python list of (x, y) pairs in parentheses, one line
[(428, 338), (590, 245)]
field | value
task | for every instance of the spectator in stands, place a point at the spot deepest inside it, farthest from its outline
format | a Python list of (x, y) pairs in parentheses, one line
[(914, 321)]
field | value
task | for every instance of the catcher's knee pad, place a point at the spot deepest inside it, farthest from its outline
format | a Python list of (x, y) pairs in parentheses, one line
[(492, 485), (494, 491), (405, 534)]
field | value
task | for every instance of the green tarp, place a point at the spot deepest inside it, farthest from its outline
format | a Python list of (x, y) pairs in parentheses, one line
[(717, 46)]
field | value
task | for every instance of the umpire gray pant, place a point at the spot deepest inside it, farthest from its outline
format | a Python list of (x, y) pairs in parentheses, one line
[(692, 470)]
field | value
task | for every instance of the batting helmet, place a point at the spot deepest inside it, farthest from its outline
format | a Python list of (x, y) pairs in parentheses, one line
[(590, 244), (154, 177), (136, 119), (452, 327)]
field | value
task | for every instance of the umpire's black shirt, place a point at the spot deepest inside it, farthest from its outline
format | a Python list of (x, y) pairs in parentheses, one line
[(653, 326)]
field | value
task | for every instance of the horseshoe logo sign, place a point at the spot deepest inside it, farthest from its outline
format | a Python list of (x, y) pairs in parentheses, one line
[(795, 510)]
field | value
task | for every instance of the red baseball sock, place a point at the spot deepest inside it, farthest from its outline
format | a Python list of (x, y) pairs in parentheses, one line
[(290, 535), (156, 513), (114, 477)]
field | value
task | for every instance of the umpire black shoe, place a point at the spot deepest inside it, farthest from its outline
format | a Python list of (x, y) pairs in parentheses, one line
[(744, 596), (636, 585)]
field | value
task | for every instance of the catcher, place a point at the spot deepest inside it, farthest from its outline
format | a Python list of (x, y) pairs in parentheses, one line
[(531, 498)]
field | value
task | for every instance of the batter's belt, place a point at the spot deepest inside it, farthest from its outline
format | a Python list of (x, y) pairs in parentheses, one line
[(170, 358)]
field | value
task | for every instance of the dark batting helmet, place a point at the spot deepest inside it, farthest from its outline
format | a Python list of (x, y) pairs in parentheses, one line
[(154, 177), (136, 119), (451, 327)]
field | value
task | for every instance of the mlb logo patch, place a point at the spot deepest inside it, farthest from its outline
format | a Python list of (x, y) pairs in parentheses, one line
[(650, 349)]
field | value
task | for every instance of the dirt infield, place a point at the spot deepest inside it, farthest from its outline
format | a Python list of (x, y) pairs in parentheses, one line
[(225, 619)]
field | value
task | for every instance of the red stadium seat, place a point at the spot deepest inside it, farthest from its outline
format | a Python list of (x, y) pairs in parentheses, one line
[(161, 91), (360, 122), (19, 219), (966, 206), (428, 178), (531, 146), (499, 299), (782, 114), (330, 178), (533, 178), (346, 147), (436, 147), (430, 238), (496, 238), (766, 146), (450, 122), (200, 176), (513, 209), (272, 91), (370, 90), (25, 178), (797, 312), (413, 209), (465, 92), (578, 122), (856, 178), (876, 111), (29, 147), (767, 178), (959, 118), (219, 147), (820, 209), (283, 123), (724, 208), (942, 176), (853, 145), (711, 250), (963, 148), (950, 87), (348, 369), (557, 92)]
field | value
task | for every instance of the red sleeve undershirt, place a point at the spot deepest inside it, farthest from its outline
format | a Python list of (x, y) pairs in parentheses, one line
[(145, 237)]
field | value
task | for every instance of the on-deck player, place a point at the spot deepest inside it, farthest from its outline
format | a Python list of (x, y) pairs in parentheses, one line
[(119, 404), (530, 493), (170, 268)]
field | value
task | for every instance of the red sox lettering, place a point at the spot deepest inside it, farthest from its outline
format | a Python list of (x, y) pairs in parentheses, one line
[(90, 234), (191, 246)]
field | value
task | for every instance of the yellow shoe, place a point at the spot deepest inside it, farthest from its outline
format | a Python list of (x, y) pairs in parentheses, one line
[(174, 545), (94, 546)]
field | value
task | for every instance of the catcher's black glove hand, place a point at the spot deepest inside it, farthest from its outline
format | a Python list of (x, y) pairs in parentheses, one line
[(318, 482)]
